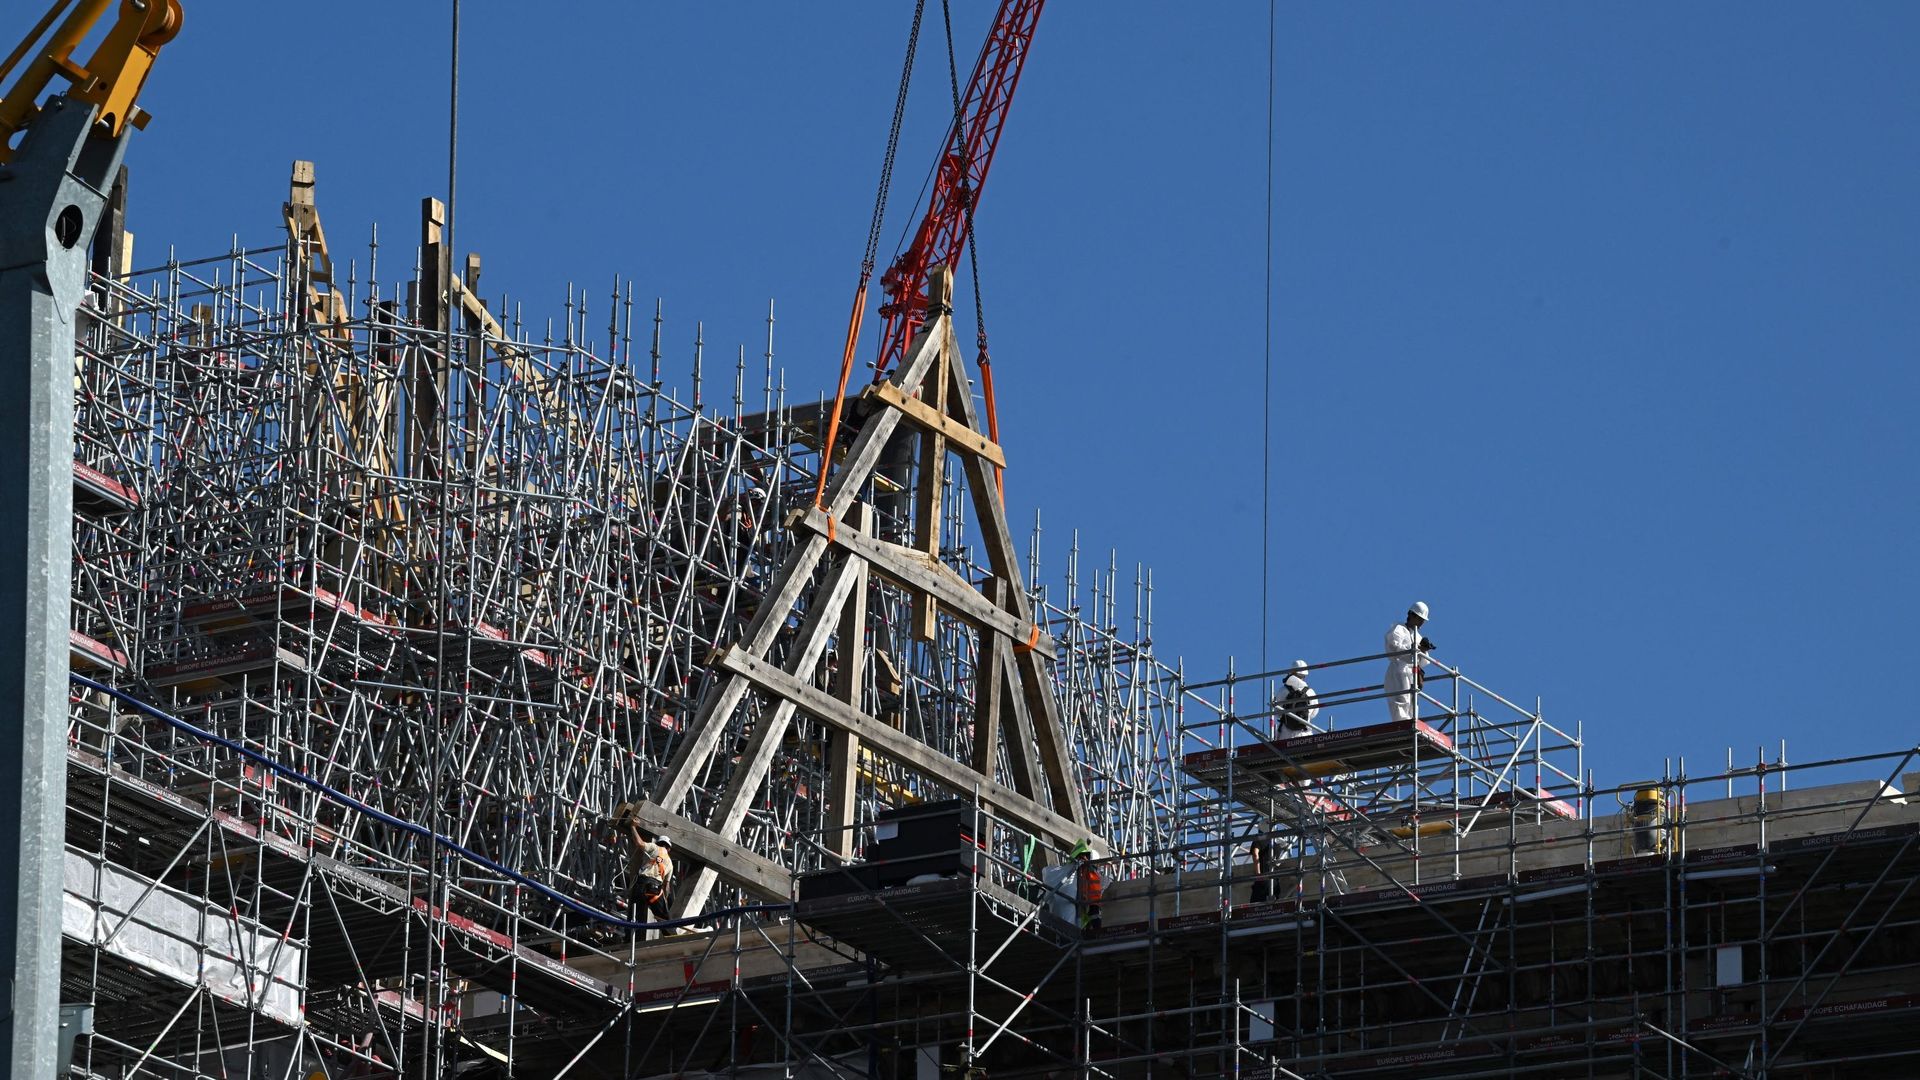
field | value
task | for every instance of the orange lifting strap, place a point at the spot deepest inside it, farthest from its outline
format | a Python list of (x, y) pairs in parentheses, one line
[(993, 422), (839, 401), (1033, 640)]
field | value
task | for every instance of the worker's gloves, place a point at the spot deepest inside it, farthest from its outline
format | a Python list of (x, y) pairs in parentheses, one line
[(1426, 645)]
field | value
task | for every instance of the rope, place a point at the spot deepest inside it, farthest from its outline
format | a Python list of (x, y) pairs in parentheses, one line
[(858, 315), (333, 794), (993, 419)]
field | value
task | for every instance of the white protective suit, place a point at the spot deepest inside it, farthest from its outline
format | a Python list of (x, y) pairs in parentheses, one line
[(1297, 708), (1402, 700)]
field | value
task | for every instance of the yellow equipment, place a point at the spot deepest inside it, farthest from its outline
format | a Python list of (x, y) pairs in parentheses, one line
[(1649, 816), (111, 79)]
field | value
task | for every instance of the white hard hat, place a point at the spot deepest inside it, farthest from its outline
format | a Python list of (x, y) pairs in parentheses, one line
[(1419, 608), (663, 840), (1299, 667)]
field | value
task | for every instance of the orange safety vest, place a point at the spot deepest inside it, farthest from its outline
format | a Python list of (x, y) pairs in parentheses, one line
[(1091, 887), (654, 877)]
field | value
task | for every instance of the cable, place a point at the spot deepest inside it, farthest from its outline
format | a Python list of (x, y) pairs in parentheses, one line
[(959, 118), (578, 907), (439, 884), (852, 344), (893, 144), (1266, 393), (984, 358)]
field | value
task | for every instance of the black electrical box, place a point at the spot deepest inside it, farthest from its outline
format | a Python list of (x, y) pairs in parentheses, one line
[(924, 829), (940, 839)]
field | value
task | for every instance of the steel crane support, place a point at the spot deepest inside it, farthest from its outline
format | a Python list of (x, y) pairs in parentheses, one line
[(53, 190)]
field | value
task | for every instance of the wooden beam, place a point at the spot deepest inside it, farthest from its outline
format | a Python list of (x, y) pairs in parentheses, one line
[(885, 741), (930, 491), (963, 438), (994, 709), (852, 475), (987, 697), (916, 571), (849, 685), (757, 757), (1035, 669), (757, 874), (691, 754), (716, 707)]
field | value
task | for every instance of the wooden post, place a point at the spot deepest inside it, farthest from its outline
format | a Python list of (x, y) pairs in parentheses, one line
[(849, 680), (426, 396)]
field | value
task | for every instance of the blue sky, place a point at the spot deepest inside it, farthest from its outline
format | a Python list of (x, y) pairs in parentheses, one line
[(1594, 326)]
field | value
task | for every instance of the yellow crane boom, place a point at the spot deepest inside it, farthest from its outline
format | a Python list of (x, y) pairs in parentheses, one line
[(110, 80)]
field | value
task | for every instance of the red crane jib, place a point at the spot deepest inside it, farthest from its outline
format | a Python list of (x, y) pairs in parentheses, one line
[(942, 235)]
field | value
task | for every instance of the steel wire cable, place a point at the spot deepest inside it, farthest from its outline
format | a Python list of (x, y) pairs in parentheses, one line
[(1266, 392), (893, 145), (983, 357), (854, 319)]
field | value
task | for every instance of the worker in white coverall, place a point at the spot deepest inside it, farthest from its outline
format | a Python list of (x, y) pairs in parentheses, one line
[(1409, 651), (1295, 709)]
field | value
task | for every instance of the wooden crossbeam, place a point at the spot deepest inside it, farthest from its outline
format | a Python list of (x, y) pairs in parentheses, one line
[(916, 571), (934, 421), (757, 875), (930, 419), (882, 739)]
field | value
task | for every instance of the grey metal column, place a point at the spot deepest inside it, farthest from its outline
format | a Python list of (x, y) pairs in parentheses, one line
[(51, 195)]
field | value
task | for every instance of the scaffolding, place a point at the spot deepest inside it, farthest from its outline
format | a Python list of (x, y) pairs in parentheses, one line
[(440, 569), (388, 601)]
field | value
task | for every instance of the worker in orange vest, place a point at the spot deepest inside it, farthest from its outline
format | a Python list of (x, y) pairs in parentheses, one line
[(1088, 887), (652, 874)]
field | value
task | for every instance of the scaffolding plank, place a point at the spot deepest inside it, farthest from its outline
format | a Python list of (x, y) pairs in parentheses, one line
[(1396, 742)]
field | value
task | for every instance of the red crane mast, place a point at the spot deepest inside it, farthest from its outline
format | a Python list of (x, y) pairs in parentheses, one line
[(943, 232), (962, 175)]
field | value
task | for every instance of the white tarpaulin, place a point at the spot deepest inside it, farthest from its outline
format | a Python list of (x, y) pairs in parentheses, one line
[(199, 944)]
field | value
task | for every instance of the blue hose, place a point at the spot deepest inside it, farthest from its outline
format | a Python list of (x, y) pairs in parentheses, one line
[(414, 828)]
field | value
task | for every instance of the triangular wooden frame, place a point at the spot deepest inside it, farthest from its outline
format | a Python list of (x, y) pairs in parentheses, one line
[(930, 392)]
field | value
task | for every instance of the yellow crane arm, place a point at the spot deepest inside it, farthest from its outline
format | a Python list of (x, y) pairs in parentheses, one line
[(110, 80)]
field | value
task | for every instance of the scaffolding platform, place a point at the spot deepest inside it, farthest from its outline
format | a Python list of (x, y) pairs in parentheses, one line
[(96, 494), (932, 925), (205, 672), (285, 602), (1286, 778), (1271, 764), (365, 935), (87, 653)]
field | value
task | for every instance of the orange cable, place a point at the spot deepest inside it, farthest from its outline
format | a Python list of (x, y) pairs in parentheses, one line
[(993, 423), (840, 398)]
